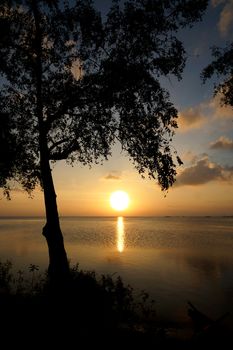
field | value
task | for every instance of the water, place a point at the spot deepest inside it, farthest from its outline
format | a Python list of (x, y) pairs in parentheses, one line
[(175, 259)]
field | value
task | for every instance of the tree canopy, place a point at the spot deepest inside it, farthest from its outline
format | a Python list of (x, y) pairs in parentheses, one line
[(99, 82), (222, 67), (73, 84)]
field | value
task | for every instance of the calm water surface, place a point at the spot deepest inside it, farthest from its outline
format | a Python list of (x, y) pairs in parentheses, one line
[(175, 259)]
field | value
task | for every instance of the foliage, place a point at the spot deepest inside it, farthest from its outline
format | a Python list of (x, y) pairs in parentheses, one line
[(222, 67), (93, 82), (19, 283), (118, 302), (73, 85), (94, 310), (88, 294), (5, 276)]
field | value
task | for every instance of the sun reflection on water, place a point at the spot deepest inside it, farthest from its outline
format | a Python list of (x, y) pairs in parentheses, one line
[(120, 234)]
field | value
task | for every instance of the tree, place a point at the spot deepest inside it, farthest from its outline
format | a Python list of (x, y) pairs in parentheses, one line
[(74, 85), (222, 67)]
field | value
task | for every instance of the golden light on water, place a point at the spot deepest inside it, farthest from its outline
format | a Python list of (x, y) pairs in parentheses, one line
[(120, 234)]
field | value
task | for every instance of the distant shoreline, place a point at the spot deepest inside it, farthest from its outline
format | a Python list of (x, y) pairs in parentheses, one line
[(114, 216)]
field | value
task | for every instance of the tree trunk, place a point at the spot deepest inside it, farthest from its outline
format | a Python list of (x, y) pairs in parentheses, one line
[(58, 264)]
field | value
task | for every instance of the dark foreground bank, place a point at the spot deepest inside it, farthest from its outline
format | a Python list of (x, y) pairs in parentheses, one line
[(92, 311)]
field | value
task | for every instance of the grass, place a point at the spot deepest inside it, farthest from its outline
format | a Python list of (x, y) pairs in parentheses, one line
[(94, 311)]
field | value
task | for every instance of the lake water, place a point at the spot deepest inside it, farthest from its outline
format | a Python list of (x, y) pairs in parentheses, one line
[(175, 259)]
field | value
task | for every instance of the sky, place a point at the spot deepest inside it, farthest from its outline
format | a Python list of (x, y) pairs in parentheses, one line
[(204, 141)]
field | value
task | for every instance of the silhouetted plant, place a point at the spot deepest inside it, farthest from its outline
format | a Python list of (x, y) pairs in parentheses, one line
[(118, 301), (19, 282), (96, 315), (88, 294), (32, 268), (5, 276), (222, 67), (146, 305), (74, 85)]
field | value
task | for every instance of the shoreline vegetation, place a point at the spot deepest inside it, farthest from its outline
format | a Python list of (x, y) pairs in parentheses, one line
[(93, 310)]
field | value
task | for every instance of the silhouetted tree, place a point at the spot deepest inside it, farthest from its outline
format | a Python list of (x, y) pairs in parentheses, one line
[(222, 67), (6, 156), (73, 85)]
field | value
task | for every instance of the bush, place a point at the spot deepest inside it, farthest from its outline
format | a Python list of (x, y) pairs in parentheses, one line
[(89, 299)]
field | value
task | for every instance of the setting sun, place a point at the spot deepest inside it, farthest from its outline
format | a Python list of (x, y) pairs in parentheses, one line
[(119, 200)]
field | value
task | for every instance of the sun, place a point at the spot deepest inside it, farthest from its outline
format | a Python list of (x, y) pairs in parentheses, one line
[(119, 200)]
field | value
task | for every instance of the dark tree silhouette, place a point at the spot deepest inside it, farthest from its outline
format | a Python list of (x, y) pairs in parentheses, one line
[(73, 85), (222, 67), (7, 157)]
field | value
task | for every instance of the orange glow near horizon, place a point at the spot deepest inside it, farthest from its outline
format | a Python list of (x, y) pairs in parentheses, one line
[(82, 192)]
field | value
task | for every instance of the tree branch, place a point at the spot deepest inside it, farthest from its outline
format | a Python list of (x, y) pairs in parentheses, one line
[(64, 154), (70, 102), (55, 144)]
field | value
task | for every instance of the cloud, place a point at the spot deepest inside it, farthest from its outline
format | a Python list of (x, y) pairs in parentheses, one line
[(226, 16), (217, 2), (222, 143), (111, 176), (219, 110), (191, 158), (191, 118), (203, 172), (209, 111)]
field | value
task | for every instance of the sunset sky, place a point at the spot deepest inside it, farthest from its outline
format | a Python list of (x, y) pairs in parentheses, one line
[(204, 142)]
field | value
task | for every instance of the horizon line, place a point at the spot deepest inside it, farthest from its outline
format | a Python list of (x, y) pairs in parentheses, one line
[(111, 216)]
